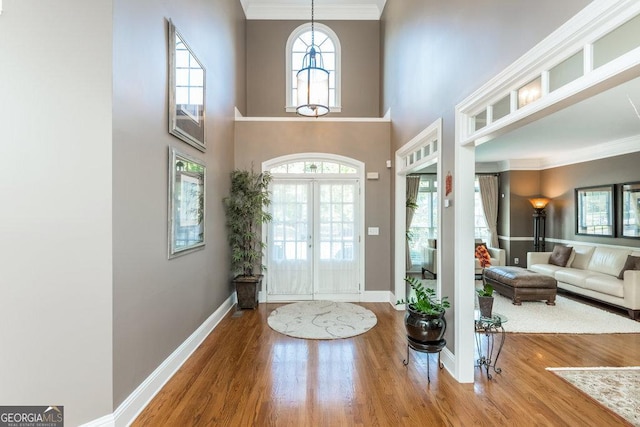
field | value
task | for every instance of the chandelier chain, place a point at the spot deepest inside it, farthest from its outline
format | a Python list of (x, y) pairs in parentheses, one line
[(312, 33)]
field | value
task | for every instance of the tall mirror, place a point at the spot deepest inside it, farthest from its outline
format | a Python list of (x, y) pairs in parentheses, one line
[(186, 92), (629, 223)]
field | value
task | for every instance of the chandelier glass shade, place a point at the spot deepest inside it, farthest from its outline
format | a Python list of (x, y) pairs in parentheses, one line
[(313, 81)]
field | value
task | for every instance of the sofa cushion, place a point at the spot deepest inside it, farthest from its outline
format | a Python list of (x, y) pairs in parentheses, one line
[(608, 260), (573, 276), (605, 284), (547, 269), (632, 263), (581, 257), (560, 255)]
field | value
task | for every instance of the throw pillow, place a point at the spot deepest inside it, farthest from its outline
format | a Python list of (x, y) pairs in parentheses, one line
[(483, 255), (632, 263), (560, 255)]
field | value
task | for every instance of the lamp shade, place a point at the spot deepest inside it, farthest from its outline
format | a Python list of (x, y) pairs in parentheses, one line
[(539, 202), (313, 86)]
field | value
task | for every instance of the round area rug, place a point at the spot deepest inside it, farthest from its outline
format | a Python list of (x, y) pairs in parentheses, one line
[(321, 320)]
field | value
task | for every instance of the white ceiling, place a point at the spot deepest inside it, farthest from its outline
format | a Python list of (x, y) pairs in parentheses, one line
[(605, 124), (324, 9)]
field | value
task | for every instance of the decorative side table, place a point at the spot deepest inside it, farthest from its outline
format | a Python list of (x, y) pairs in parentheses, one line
[(489, 327)]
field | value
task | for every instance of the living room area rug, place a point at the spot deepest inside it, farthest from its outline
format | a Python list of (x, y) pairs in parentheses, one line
[(568, 316), (617, 389), (321, 320)]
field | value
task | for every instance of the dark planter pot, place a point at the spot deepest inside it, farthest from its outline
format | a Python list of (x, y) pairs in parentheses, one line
[(424, 328), (247, 288), (486, 306)]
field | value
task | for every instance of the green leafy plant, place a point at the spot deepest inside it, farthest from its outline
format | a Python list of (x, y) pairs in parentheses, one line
[(486, 290), (246, 210), (425, 300)]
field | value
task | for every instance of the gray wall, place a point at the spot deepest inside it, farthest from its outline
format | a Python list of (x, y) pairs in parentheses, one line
[(436, 53), (366, 142), (558, 184), (55, 273), (158, 303), (360, 42)]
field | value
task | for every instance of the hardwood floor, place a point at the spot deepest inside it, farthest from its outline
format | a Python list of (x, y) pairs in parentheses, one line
[(245, 374)]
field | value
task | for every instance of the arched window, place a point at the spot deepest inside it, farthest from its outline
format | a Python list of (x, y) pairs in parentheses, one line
[(328, 45)]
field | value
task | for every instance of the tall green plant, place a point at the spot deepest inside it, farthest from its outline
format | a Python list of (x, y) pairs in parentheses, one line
[(246, 209)]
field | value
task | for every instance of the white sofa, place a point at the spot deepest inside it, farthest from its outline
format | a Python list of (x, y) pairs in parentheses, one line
[(430, 256), (592, 271)]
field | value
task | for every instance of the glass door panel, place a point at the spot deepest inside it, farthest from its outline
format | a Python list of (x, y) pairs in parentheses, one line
[(290, 271), (338, 254)]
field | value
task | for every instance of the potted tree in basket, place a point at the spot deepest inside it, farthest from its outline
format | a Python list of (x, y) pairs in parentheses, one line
[(424, 320), (245, 208)]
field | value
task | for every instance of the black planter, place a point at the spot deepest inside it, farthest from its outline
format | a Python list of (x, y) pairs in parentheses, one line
[(247, 288), (424, 328), (485, 304)]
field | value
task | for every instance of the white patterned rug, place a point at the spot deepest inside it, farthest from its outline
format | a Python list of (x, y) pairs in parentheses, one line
[(566, 317), (321, 320), (618, 389)]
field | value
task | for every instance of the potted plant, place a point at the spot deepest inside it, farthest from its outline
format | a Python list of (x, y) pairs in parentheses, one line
[(485, 293), (245, 208), (485, 299), (424, 320)]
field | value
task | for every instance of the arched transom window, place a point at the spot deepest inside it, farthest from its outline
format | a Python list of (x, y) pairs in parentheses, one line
[(311, 167), (327, 43)]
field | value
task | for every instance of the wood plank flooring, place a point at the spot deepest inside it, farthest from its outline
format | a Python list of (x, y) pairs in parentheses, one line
[(245, 374)]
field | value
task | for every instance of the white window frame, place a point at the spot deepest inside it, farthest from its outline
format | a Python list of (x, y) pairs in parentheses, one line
[(337, 108)]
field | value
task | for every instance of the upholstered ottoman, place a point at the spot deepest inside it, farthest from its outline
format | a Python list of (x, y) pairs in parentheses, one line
[(520, 284)]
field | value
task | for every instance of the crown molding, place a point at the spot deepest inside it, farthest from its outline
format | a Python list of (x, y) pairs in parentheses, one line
[(280, 10), (601, 151)]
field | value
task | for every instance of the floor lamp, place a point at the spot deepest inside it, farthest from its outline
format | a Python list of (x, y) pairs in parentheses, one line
[(539, 218)]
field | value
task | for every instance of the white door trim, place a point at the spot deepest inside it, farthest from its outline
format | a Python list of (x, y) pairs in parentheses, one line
[(359, 175), (410, 158)]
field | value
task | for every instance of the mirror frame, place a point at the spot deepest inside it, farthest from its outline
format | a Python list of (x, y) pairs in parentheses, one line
[(624, 190), (584, 195), (186, 215), (184, 124)]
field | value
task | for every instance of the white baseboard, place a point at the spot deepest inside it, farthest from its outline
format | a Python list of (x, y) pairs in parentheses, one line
[(128, 410), (366, 296), (376, 296)]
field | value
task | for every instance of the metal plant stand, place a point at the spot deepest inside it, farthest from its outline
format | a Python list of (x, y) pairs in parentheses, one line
[(489, 327), (426, 347)]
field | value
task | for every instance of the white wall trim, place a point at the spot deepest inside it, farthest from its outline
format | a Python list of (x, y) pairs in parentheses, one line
[(128, 410), (240, 118), (378, 296), (605, 150), (594, 21), (279, 10), (581, 243)]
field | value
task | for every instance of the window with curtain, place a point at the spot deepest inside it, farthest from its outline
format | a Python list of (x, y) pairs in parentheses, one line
[(327, 43), (425, 219), (481, 228)]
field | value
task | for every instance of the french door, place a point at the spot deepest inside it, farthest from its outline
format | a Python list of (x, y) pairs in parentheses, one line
[(313, 241)]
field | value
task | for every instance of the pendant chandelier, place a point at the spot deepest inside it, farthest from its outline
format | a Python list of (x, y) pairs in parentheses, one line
[(313, 81)]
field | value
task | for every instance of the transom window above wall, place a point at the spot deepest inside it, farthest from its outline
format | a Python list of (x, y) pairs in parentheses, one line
[(599, 44), (314, 167), (326, 42)]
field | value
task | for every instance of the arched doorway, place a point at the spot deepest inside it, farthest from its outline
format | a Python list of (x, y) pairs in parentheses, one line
[(314, 243)]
